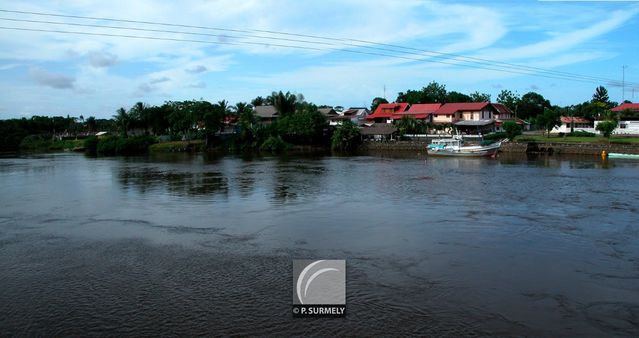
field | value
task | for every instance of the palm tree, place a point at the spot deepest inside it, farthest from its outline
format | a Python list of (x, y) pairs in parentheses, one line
[(284, 103), (406, 125), (122, 120)]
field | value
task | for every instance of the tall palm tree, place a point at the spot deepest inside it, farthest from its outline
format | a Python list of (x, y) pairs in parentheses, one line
[(122, 120), (284, 103)]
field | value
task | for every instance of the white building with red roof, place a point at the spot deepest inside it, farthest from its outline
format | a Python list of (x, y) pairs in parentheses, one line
[(574, 123), (629, 119)]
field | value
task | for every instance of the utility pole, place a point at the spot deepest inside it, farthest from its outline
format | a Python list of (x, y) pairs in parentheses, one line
[(384, 91), (623, 83)]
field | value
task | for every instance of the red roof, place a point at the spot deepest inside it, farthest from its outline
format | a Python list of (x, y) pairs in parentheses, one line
[(424, 107), (626, 106), (452, 108), (418, 111), (387, 110), (575, 119), (502, 109)]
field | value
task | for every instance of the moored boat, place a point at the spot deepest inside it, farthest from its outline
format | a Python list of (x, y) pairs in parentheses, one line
[(454, 146), (622, 155)]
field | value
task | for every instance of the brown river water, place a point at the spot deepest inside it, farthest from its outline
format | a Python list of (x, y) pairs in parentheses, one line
[(202, 245)]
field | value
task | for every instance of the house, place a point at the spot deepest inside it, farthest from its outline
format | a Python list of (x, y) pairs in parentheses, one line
[(385, 111), (266, 114), (575, 123), (328, 112), (379, 132), (356, 115), (504, 114), (419, 111), (468, 117), (628, 119), (631, 107)]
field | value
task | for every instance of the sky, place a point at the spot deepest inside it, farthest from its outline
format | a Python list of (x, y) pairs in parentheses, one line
[(333, 52)]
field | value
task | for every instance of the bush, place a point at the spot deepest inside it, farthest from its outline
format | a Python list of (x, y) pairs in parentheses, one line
[(36, 142), (274, 144), (91, 145), (495, 136), (511, 129), (581, 133), (607, 127), (124, 146)]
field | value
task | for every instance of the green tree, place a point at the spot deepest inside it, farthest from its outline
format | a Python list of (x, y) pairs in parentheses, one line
[(406, 125), (376, 102), (607, 127), (91, 123), (512, 129), (508, 99), (601, 95), (548, 120), (345, 136), (531, 105), (259, 101), (122, 120), (285, 103), (479, 97), (305, 126), (457, 97), (248, 124), (432, 93)]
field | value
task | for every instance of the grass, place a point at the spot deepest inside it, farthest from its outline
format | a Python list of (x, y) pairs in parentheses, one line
[(576, 139), (176, 146)]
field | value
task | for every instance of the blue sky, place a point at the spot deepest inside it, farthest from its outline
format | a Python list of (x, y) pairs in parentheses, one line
[(44, 73)]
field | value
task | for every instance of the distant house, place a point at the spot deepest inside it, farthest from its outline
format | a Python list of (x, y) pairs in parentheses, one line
[(266, 114), (356, 115), (385, 111), (419, 112), (468, 117), (631, 107), (628, 121), (504, 114), (328, 112), (379, 132), (575, 123)]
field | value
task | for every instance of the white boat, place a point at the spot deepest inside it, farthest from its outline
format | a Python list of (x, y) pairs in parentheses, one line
[(626, 156), (454, 146)]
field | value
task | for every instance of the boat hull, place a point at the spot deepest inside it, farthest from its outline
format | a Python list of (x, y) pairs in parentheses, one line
[(466, 151)]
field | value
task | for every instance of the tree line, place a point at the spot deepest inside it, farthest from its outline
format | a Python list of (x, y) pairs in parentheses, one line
[(299, 123)]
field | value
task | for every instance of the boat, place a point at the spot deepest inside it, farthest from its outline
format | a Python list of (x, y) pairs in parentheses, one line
[(622, 155), (454, 146)]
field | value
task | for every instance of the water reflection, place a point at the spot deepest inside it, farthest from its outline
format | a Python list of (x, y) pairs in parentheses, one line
[(150, 179), (518, 245)]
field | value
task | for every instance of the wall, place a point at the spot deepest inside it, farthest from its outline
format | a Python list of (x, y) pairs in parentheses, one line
[(516, 147)]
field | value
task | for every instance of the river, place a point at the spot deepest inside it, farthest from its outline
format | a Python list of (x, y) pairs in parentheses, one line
[(185, 245)]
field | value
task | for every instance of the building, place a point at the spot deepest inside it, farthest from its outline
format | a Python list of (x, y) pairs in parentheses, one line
[(379, 132), (468, 117), (357, 115), (575, 123), (266, 114), (328, 112), (628, 119), (504, 114), (385, 111), (419, 111)]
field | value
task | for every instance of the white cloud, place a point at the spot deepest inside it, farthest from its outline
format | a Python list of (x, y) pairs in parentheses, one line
[(55, 80)]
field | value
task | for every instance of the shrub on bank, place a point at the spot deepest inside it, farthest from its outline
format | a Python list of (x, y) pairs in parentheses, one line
[(124, 146), (581, 133), (274, 144), (495, 136)]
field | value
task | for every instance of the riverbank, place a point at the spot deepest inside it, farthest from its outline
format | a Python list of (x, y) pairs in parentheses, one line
[(517, 147)]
